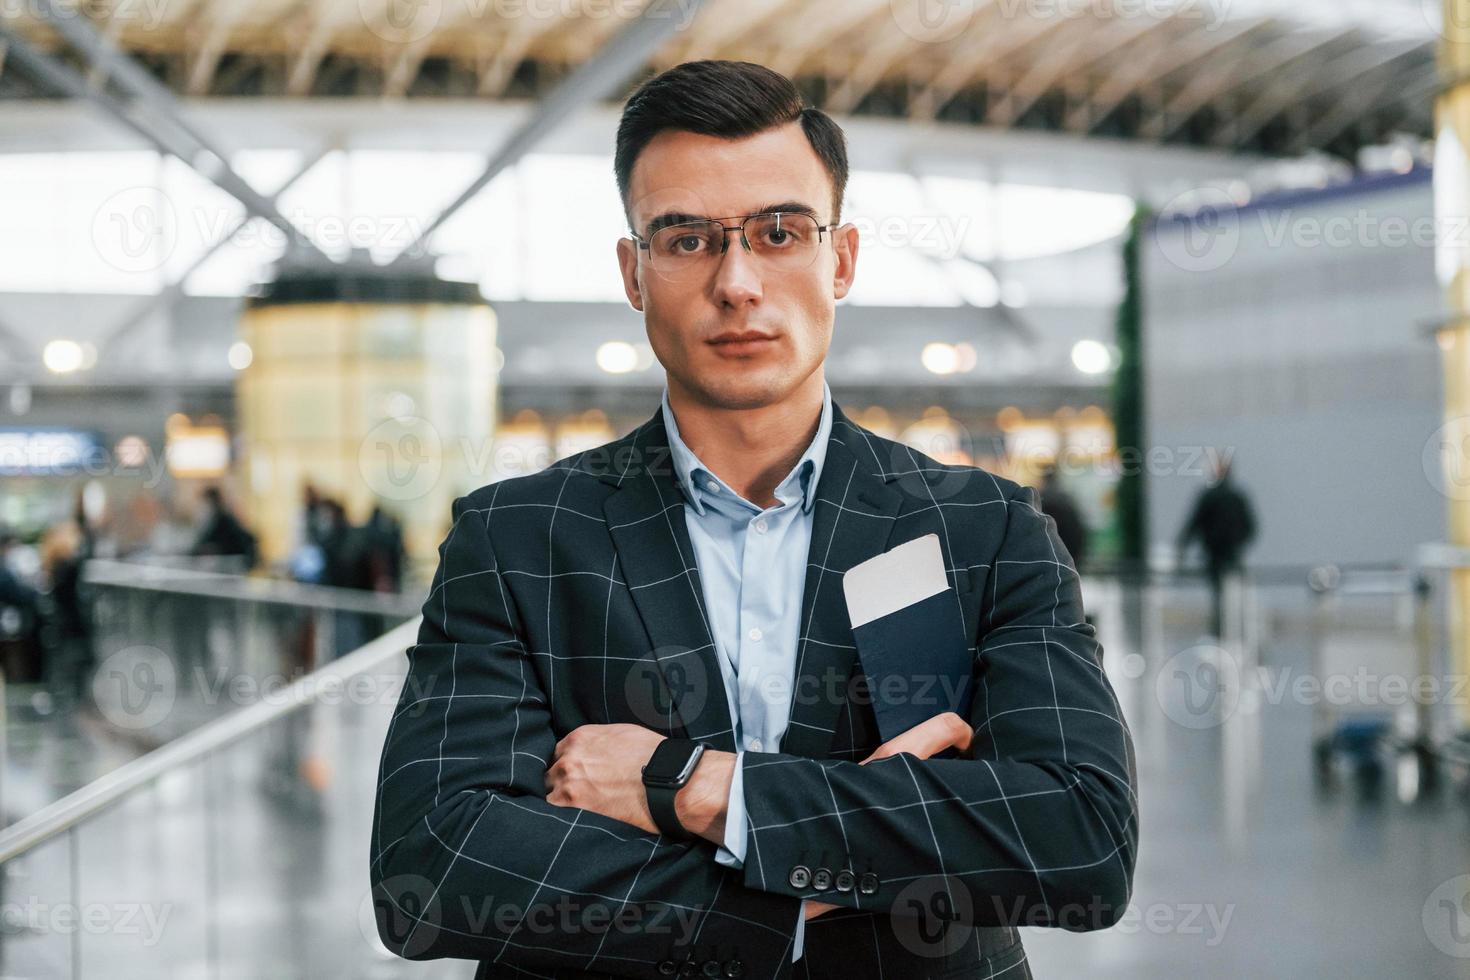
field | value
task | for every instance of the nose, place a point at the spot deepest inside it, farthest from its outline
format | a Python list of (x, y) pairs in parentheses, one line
[(737, 279)]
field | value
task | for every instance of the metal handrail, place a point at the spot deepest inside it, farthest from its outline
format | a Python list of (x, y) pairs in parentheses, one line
[(222, 585), (101, 793)]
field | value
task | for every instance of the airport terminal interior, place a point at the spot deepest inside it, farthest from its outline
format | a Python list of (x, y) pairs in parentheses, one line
[(281, 280)]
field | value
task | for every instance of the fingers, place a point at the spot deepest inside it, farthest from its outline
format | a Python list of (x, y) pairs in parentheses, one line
[(929, 737)]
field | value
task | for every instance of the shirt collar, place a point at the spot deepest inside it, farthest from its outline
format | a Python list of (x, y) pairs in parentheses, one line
[(695, 477)]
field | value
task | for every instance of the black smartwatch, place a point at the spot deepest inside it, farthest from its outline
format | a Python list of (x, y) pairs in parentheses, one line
[(667, 771)]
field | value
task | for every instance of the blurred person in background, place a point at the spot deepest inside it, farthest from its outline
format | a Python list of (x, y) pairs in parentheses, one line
[(68, 630), (349, 564), (307, 561), (1224, 523), (20, 618), (222, 534), (385, 537), (1060, 506)]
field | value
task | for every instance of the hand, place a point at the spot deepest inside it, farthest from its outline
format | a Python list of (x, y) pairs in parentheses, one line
[(923, 740), (814, 908), (927, 738), (600, 768)]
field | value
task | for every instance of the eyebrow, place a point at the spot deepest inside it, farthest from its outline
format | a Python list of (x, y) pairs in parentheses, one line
[(679, 217)]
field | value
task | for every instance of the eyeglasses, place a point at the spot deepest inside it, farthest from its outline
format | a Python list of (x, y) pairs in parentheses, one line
[(783, 241)]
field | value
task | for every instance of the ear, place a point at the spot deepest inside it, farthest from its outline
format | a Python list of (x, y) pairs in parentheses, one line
[(628, 266), (845, 245)]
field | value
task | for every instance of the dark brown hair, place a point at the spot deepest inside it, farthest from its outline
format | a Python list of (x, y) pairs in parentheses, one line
[(731, 99)]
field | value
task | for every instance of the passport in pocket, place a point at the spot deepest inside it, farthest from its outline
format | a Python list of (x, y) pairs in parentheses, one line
[(910, 636)]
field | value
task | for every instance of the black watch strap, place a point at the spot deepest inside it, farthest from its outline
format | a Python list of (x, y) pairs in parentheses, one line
[(661, 805), (673, 762)]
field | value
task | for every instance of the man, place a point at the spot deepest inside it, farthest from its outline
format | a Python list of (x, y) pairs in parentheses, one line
[(1224, 523), (1062, 508), (682, 586)]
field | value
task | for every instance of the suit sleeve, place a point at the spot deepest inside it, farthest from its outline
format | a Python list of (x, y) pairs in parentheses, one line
[(1038, 827), (469, 860)]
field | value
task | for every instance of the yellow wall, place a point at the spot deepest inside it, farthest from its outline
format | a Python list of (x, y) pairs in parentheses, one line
[(370, 403)]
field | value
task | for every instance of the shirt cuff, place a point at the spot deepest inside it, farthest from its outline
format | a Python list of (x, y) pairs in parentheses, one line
[(732, 852), (800, 931)]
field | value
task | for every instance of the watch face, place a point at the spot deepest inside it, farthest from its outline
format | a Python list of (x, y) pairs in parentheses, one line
[(672, 762)]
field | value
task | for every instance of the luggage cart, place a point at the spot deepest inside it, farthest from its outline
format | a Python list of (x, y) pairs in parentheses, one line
[(1371, 649)]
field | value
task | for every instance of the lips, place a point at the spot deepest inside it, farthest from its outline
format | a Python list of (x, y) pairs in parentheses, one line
[(741, 336), (742, 343)]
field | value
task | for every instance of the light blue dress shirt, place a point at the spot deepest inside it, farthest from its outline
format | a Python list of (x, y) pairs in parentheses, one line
[(753, 566)]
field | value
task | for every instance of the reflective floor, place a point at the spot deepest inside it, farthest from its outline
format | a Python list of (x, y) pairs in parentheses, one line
[(1250, 865)]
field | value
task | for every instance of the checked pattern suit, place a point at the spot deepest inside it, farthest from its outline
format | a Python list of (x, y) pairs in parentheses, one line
[(572, 597)]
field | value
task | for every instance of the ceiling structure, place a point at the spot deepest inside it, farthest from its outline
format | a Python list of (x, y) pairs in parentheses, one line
[(1256, 76)]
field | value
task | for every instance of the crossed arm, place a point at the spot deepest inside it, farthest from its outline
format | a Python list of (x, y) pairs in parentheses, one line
[(486, 827), (596, 768)]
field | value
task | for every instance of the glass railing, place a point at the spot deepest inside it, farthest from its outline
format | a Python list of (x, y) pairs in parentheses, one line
[(171, 648), (238, 850)]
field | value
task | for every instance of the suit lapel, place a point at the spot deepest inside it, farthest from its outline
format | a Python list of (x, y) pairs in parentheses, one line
[(645, 517), (852, 519)]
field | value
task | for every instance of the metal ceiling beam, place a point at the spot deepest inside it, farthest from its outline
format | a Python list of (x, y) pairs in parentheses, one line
[(1347, 113), (820, 23), (722, 24), (195, 150), (1090, 45), (69, 82), (1317, 78), (168, 297), (324, 19), (1227, 77), (598, 77), (969, 59), (1169, 55), (869, 71)]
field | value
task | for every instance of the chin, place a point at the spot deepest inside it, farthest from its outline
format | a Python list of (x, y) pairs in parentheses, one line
[(745, 392)]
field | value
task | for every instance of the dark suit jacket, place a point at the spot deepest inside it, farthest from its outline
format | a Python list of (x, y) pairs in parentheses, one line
[(572, 597)]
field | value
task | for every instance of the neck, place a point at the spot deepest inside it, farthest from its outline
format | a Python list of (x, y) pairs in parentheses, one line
[(751, 449)]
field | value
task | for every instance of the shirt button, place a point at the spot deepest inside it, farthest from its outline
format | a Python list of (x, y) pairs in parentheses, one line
[(755, 745), (760, 526), (712, 486), (755, 633)]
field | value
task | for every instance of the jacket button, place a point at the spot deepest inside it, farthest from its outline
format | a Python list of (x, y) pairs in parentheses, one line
[(845, 880), (801, 876), (734, 968), (822, 879), (711, 968), (868, 884), (667, 968)]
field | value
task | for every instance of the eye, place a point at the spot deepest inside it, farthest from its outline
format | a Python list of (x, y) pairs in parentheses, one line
[(684, 241)]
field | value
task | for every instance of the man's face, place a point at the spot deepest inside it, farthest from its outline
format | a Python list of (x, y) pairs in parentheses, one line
[(706, 176)]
